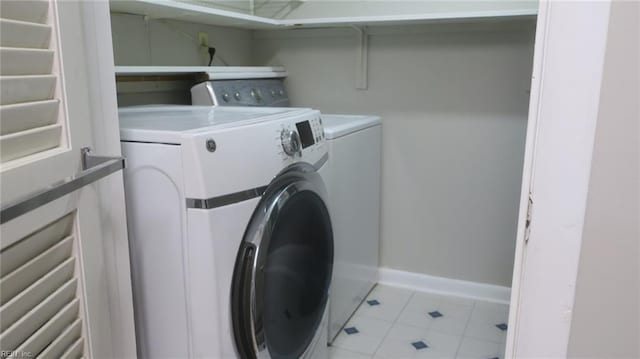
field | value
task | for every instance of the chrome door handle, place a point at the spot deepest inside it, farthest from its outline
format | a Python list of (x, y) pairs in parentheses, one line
[(93, 169)]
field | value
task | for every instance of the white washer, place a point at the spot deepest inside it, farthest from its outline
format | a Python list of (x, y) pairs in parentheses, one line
[(352, 175), (231, 239)]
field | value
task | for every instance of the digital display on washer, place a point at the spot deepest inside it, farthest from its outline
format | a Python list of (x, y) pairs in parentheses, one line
[(306, 135)]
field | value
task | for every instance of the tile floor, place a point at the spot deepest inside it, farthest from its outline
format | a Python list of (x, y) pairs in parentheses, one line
[(396, 323)]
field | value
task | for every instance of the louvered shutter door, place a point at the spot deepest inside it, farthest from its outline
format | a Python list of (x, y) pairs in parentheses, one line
[(65, 288), (40, 294), (29, 113), (35, 131)]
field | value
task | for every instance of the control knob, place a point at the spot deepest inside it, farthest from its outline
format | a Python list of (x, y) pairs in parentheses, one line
[(290, 142), (256, 95)]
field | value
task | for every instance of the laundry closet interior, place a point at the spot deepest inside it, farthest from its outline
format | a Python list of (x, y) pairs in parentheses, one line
[(450, 82)]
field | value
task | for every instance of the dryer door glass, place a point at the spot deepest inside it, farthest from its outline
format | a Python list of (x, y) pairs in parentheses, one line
[(297, 274), (283, 270)]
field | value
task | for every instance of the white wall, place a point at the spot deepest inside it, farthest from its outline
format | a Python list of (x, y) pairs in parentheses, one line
[(606, 318), (168, 42), (453, 99)]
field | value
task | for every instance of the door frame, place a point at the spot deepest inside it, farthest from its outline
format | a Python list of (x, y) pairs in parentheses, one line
[(96, 22), (568, 63)]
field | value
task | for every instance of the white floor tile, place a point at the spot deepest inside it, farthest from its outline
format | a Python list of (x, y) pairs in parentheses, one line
[(455, 314), (480, 349), (434, 354), (396, 348), (456, 309), (370, 334), (406, 332), (391, 302), (443, 343), (448, 306), (338, 353), (399, 343), (449, 325), (360, 343), (485, 331), (421, 302), (370, 326), (491, 313), (415, 317)]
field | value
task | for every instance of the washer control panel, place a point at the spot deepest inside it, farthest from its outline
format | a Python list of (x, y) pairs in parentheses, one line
[(246, 92), (297, 137)]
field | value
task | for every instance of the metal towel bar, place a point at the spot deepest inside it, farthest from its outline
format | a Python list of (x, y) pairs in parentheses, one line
[(93, 169)]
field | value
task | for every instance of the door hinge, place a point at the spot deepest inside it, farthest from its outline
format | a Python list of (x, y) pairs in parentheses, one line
[(527, 226)]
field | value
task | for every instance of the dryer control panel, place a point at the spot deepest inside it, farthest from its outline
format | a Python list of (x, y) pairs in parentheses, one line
[(299, 136), (310, 132)]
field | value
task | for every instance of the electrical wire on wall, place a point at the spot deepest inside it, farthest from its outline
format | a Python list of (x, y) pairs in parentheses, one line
[(212, 52)]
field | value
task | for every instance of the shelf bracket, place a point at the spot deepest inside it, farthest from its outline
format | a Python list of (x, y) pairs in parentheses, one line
[(362, 61)]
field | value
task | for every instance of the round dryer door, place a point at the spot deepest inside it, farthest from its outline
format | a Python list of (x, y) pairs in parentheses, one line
[(283, 270)]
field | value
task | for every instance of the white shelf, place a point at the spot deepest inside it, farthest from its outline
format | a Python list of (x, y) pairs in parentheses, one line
[(169, 9), (406, 19), (212, 72)]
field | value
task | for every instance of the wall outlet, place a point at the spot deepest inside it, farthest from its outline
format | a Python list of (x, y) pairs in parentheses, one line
[(203, 42), (203, 39)]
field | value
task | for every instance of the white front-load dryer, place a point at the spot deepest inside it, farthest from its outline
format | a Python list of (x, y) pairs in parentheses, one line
[(231, 239), (352, 176)]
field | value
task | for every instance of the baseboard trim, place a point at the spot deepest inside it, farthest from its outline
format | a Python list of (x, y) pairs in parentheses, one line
[(447, 286)]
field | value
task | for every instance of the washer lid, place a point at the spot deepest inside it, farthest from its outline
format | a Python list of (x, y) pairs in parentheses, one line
[(168, 123), (341, 125)]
